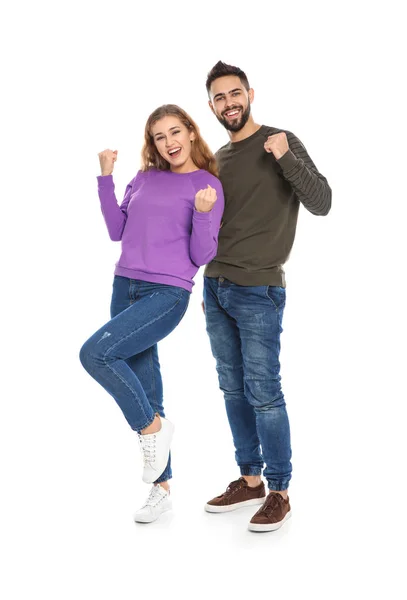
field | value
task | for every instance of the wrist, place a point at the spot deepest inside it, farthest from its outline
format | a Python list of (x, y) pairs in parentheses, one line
[(288, 161), (200, 210)]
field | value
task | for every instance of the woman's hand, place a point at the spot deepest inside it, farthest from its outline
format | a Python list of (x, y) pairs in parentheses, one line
[(205, 199), (107, 158)]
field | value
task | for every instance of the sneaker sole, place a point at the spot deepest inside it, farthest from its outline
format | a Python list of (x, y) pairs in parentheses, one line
[(269, 527), (230, 507), (146, 520)]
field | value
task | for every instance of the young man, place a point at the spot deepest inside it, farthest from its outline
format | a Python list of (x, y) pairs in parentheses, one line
[(266, 173)]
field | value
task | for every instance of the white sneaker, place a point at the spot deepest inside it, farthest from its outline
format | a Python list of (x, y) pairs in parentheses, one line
[(157, 502), (155, 448)]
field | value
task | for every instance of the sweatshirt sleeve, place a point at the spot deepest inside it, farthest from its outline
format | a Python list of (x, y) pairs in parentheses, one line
[(311, 188), (115, 216), (203, 244)]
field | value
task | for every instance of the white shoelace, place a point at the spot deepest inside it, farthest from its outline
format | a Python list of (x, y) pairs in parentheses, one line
[(147, 447), (155, 496)]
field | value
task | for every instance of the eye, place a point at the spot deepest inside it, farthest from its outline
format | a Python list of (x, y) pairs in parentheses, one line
[(157, 139), (235, 93), (219, 98), (175, 132)]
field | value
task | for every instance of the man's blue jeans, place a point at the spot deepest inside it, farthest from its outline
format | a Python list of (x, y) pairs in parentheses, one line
[(244, 324), (122, 355)]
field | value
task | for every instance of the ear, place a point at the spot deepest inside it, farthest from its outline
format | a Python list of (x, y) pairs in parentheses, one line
[(192, 136), (251, 95), (211, 106)]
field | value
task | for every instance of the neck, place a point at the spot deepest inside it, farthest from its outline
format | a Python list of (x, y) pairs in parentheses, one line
[(187, 167), (246, 131)]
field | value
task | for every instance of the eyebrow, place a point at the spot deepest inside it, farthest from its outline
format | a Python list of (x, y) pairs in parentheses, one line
[(231, 92), (171, 128)]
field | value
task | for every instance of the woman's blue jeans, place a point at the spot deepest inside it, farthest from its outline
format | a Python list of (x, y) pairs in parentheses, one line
[(122, 355)]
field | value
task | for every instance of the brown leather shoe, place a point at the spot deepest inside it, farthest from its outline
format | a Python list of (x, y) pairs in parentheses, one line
[(237, 494), (272, 515)]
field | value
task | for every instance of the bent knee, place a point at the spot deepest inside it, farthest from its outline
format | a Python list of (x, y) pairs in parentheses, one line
[(85, 356)]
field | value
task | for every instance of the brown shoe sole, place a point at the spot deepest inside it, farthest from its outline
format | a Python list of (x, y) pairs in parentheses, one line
[(229, 507), (269, 526)]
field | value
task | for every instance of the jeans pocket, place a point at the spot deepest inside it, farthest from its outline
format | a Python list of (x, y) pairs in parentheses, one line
[(276, 295), (176, 291)]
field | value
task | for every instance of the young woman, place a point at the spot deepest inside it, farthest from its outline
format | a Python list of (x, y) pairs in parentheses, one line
[(168, 224)]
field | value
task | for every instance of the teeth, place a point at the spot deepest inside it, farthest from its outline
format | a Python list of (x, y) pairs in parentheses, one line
[(174, 150), (231, 113)]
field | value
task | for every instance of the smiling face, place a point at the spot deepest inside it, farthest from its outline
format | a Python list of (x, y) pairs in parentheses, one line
[(173, 141), (230, 102)]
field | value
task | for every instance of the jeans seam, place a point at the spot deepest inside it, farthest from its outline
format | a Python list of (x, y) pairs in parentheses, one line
[(277, 308), (186, 308), (153, 375), (141, 328), (271, 299), (133, 392)]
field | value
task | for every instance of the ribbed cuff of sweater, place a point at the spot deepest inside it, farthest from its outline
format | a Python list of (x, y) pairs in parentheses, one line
[(288, 161), (104, 179), (202, 216)]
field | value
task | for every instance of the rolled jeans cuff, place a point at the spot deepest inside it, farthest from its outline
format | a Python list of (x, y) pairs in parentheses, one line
[(139, 429), (250, 470), (278, 486), (164, 477)]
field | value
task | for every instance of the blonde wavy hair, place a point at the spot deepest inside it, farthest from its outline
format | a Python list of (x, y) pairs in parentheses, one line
[(201, 155)]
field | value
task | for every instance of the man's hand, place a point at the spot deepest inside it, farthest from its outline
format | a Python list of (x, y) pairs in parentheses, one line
[(203, 306), (277, 144), (205, 199)]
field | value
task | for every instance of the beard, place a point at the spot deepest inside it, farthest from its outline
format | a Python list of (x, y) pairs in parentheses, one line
[(239, 122)]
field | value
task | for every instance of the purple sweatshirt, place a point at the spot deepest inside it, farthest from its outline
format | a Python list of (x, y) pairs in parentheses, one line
[(164, 239)]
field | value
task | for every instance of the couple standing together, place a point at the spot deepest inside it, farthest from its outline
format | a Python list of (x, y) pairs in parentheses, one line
[(236, 213)]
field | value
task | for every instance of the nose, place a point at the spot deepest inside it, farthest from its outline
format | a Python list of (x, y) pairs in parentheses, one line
[(230, 100), (230, 103)]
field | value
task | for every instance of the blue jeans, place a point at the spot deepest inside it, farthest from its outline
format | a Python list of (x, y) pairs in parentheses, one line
[(244, 324), (122, 355)]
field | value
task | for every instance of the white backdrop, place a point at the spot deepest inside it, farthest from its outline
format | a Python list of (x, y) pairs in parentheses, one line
[(81, 77)]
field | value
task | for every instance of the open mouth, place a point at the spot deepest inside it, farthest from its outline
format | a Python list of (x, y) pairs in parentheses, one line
[(232, 114), (174, 152)]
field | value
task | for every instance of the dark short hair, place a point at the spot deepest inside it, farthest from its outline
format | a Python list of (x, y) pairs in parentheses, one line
[(221, 69)]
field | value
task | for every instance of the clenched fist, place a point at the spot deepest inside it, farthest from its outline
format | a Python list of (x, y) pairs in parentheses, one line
[(205, 199), (107, 158), (277, 144)]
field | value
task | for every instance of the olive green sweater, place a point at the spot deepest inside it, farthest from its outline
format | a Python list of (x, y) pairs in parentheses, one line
[(262, 198)]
